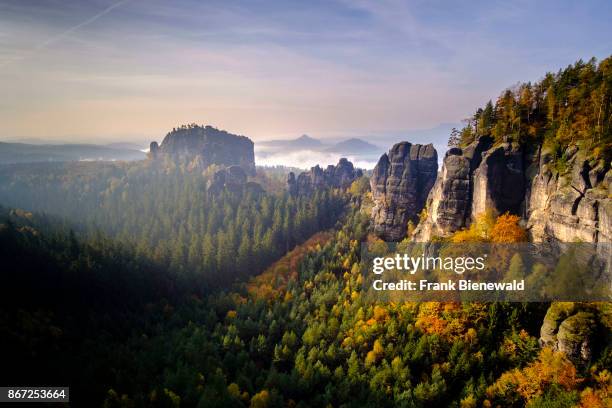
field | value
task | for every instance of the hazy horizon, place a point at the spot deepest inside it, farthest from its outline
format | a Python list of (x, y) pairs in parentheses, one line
[(376, 138), (121, 71)]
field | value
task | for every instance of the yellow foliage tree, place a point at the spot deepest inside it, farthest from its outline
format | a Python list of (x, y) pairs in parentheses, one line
[(233, 390), (479, 230), (370, 359), (469, 402), (380, 313), (375, 354), (261, 399), (378, 348)]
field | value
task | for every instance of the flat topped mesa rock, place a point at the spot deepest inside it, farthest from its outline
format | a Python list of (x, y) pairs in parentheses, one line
[(201, 146), (341, 175), (400, 184)]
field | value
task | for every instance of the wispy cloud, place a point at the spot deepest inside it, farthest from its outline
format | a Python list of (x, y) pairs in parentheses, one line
[(275, 68), (63, 34)]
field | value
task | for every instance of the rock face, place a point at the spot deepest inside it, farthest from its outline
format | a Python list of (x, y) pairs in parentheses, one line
[(570, 328), (449, 202), (566, 200), (499, 182), (338, 176), (201, 146), (563, 204), (474, 180), (400, 184), (153, 150), (233, 179), (292, 184), (571, 203)]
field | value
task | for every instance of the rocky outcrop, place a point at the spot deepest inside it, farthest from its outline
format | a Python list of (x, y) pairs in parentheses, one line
[(571, 328), (400, 184), (341, 175), (153, 150), (292, 184), (566, 203), (474, 180), (449, 203), (569, 200), (201, 146), (233, 179), (498, 183), (564, 199)]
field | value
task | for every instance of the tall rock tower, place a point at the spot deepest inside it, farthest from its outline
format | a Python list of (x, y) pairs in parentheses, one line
[(400, 184)]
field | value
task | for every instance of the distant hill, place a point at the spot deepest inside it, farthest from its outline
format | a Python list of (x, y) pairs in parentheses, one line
[(354, 146), (303, 142), (29, 153), (127, 146), (307, 151), (35, 141)]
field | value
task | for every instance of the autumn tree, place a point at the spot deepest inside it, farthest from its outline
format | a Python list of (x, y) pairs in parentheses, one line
[(507, 230)]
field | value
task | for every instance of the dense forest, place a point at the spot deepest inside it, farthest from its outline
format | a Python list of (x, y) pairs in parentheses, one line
[(572, 106), (139, 287), (300, 334), (166, 214)]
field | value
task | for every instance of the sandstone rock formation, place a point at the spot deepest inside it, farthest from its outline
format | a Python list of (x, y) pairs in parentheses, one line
[(449, 201), (400, 184), (292, 184), (568, 200), (572, 202), (564, 199), (201, 146), (571, 328), (153, 150), (558, 203), (498, 182), (338, 176), (473, 180), (233, 179)]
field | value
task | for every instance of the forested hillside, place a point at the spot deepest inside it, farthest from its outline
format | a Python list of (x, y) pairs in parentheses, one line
[(77, 290), (165, 213), (570, 107), (31, 153), (300, 334), (65, 301), (164, 283)]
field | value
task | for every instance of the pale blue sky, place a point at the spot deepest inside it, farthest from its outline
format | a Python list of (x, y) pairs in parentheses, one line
[(107, 70)]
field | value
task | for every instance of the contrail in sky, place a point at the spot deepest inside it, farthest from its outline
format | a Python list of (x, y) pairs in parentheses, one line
[(65, 33)]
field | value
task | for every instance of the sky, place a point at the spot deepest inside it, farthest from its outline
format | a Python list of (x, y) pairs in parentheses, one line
[(103, 70)]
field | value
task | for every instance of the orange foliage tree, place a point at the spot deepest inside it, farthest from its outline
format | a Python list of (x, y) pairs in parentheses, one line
[(531, 381), (485, 228), (508, 230)]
